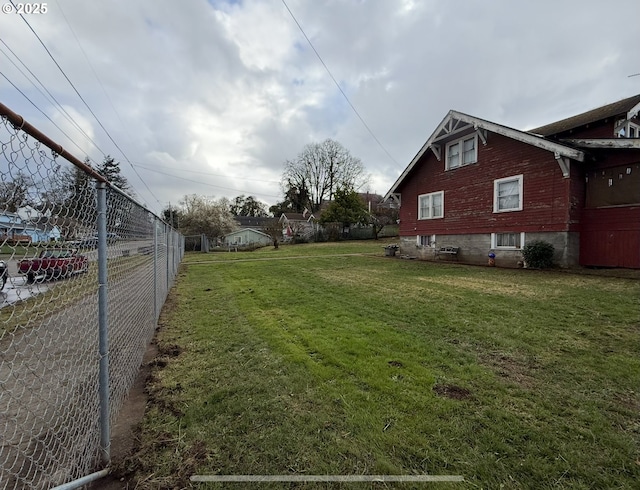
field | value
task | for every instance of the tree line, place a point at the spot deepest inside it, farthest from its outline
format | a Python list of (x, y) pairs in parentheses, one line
[(324, 180), (66, 194)]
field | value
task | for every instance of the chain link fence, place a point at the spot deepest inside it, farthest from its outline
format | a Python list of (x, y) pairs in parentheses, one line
[(85, 271)]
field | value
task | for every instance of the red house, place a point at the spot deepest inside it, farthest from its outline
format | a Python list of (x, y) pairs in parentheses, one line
[(482, 188)]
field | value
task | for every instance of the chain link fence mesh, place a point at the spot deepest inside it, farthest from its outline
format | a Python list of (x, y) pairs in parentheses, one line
[(49, 310)]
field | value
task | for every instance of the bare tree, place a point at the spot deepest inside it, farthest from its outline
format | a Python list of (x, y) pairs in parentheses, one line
[(273, 228), (14, 194), (248, 206), (205, 215), (320, 169)]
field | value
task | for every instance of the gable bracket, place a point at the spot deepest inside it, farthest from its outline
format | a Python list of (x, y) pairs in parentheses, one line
[(482, 134), (396, 197), (564, 163), (436, 149)]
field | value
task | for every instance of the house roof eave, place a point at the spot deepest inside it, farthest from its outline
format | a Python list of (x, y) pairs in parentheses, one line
[(524, 137), (627, 107), (611, 143), (559, 150)]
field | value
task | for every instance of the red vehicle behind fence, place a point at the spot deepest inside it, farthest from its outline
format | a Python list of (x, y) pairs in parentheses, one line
[(54, 264)]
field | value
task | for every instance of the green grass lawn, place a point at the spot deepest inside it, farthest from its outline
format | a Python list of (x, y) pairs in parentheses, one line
[(364, 364)]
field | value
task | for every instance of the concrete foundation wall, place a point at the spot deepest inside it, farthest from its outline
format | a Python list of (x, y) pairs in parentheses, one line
[(475, 249)]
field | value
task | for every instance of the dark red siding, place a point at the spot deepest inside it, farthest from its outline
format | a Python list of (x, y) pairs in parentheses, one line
[(468, 192), (610, 237)]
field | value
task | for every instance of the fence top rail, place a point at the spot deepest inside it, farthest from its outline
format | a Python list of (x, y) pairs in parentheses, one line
[(21, 124)]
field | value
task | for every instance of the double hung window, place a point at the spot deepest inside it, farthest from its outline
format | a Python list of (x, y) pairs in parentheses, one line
[(507, 194), (462, 152), (431, 206)]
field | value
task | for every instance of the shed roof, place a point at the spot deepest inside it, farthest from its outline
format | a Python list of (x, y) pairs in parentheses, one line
[(253, 221), (618, 108), (243, 230)]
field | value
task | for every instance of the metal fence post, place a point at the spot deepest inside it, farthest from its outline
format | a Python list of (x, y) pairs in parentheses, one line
[(168, 237), (103, 325), (53, 427), (155, 270)]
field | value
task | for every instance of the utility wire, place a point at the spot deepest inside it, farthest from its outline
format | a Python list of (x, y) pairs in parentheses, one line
[(42, 112), (152, 168), (212, 185), (50, 96), (95, 74), (338, 85), (85, 103)]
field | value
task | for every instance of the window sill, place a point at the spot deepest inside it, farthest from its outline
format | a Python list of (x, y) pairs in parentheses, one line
[(498, 211), (447, 168)]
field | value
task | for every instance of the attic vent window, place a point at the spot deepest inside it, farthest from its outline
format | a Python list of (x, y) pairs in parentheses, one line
[(627, 129), (463, 151)]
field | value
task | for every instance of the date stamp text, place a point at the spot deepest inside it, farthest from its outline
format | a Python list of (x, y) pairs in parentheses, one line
[(24, 8)]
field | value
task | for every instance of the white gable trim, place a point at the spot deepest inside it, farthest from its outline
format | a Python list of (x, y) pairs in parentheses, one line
[(451, 125), (633, 112), (614, 143)]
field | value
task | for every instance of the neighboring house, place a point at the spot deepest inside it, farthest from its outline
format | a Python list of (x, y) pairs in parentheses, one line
[(247, 237), (9, 222), (257, 223), (484, 187), (298, 225), (14, 227)]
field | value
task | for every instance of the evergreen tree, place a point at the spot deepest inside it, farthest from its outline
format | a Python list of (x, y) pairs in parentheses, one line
[(110, 170), (347, 208)]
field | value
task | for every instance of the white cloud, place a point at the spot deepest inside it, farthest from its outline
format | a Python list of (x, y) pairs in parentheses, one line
[(231, 89)]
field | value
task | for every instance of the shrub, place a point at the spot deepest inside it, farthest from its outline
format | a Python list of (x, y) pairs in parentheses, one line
[(538, 254)]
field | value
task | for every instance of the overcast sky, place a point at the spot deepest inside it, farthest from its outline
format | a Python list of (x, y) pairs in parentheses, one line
[(211, 97)]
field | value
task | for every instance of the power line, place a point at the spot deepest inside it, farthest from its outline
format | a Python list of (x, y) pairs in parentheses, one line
[(211, 185), (338, 85), (95, 74), (42, 112), (147, 167), (48, 94), (85, 103)]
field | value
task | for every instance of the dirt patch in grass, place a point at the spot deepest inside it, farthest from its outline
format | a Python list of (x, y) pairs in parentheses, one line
[(452, 391), (519, 371), (123, 432), (488, 286), (354, 277), (169, 350)]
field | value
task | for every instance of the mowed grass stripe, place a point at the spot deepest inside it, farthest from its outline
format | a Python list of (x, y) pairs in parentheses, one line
[(329, 366)]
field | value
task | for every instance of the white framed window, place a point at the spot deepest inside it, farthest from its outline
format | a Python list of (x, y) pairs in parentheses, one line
[(463, 151), (431, 206), (507, 194), (426, 240), (509, 241)]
